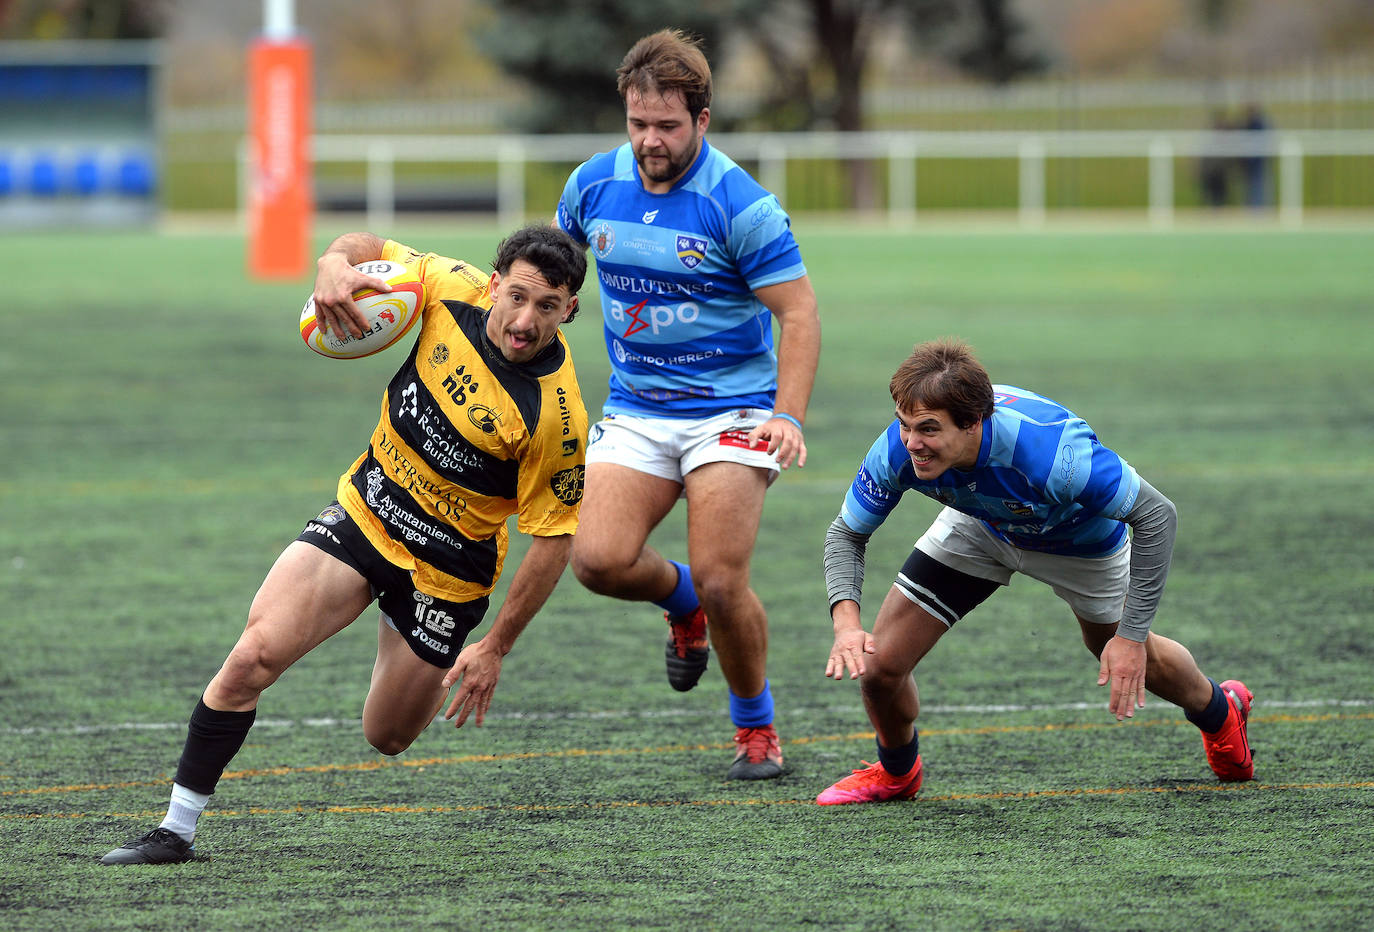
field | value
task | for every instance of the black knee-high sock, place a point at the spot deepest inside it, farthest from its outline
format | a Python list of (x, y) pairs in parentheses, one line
[(212, 740)]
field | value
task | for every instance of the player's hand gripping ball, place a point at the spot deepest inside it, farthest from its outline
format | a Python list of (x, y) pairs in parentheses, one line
[(390, 315)]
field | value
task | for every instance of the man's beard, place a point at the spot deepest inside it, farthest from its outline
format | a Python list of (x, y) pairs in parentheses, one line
[(674, 169)]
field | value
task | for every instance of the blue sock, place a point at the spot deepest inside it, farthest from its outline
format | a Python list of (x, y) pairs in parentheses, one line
[(899, 761), (752, 713), (1213, 717), (683, 599)]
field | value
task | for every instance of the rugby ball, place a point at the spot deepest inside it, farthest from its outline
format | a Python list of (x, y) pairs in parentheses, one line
[(389, 314)]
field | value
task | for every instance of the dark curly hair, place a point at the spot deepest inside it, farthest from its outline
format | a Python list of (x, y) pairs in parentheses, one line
[(557, 256)]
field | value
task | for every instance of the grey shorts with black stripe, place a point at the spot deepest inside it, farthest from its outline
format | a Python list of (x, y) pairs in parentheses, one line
[(958, 563)]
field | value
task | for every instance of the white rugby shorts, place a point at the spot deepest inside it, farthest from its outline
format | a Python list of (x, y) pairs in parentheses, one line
[(1094, 587), (670, 447)]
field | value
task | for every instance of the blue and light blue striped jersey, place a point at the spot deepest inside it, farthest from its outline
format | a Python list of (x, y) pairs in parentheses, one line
[(1043, 481), (685, 335)]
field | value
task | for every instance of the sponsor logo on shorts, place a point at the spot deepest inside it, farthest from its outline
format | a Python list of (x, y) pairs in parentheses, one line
[(567, 484), (740, 438), (320, 529), (332, 515), (436, 620), (570, 447), (1020, 509), (434, 644)]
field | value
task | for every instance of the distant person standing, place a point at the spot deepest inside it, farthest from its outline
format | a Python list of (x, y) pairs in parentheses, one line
[(1214, 170), (695, 261), (1255, 166)]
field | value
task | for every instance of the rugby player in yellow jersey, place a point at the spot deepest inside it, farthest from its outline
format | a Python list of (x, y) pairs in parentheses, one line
[(482, 421)]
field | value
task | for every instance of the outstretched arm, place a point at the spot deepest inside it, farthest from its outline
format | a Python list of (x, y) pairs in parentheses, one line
[(479, 664), (1154, 521), (799, 351), (844, 580)]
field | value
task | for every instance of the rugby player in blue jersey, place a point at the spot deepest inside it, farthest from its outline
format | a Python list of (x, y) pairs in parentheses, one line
[(695, 261), (1027, 487)]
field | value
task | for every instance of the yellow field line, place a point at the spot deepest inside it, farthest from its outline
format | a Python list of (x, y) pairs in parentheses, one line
[(385, 763), (1251, 787)]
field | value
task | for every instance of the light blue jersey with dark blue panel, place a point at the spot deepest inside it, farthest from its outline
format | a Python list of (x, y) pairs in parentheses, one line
[(685, 334), (1043, 481)]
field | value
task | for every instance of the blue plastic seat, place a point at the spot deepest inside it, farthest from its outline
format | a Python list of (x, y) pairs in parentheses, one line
[(86, 174), (137, 175), (44, 178)]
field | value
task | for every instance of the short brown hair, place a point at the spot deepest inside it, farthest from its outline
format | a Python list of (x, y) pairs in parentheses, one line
[(667, 61), (944, 375)]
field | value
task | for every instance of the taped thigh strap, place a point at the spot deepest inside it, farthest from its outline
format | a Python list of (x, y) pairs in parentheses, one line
[(945, 592)]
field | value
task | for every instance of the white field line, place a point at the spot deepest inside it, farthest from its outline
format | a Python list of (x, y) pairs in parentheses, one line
[(642, 714), (799, 483)]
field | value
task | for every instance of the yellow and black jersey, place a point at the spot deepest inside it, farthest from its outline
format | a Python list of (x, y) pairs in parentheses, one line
[(467, 439)]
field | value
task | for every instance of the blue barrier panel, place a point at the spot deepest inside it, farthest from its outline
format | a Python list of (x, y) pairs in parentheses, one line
[(78, 137), (44, 178), (137, 175), (86, 174)]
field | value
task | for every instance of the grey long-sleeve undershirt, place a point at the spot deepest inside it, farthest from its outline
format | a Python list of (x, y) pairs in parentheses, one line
[(1153, 521)]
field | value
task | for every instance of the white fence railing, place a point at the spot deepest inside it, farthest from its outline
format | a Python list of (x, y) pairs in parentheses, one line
[(900, 151)]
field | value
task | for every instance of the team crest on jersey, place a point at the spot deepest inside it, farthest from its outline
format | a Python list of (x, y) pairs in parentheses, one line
[(439, 356), (567, 484), (691, 250), (603, 240)]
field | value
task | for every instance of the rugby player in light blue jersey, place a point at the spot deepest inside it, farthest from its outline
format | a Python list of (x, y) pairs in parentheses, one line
[(695, 261), (1027, 488)]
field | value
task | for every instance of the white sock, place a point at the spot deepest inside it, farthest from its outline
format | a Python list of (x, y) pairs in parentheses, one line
[(184, 810)]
